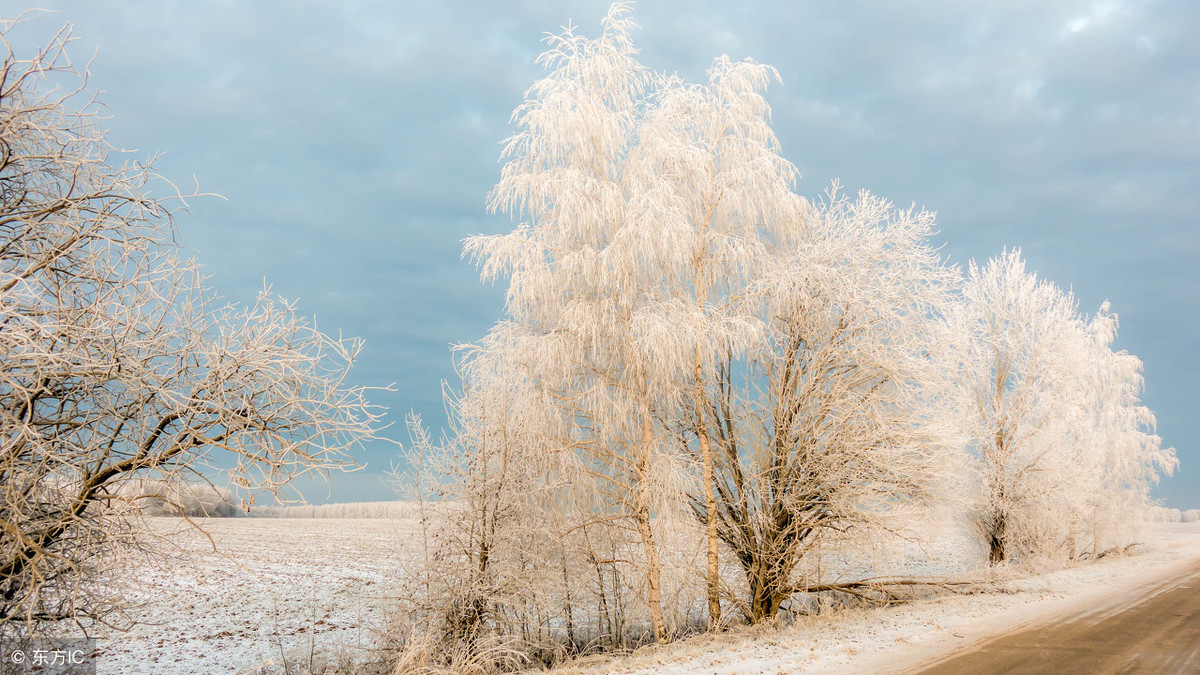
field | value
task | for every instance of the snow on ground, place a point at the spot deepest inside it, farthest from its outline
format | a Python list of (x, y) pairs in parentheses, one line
[(275, 587), (894, 640), (290, 586)]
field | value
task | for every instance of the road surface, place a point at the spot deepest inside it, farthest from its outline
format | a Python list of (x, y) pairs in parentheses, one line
[(1154, 630)]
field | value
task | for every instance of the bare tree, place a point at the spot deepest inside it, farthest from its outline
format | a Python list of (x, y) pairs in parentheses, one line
[(117, 364), (826, 428)]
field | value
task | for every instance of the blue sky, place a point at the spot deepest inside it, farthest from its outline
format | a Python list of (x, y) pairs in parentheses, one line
[(355, 143)]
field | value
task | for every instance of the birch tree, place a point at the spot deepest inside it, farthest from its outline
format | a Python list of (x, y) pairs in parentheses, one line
[(708, 156), (658, 224), (1123, 457), (118, 365), (585, 267)]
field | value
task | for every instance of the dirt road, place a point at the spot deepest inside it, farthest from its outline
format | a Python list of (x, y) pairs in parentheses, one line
[(1154, 630)]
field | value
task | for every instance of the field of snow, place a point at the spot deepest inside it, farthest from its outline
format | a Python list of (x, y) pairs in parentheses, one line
[(275, 588), (288, 588)]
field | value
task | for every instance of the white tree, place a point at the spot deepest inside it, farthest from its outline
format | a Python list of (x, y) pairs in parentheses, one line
[(707, 158), (1123, 456), (661, 242), (116, 364), (647, 198), (826, 428), (1052, 414), (1016, 339), (585, 267)]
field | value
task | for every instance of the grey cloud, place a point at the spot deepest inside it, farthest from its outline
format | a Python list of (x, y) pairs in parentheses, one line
[(356, 143)]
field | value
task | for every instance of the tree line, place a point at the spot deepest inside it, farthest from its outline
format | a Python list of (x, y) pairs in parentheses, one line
[(702, 379)]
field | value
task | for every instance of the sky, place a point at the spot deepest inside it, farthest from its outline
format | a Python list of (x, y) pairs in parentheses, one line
[(354, 143)]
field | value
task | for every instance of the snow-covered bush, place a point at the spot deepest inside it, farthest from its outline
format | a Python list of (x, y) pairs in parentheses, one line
[(523, 562)]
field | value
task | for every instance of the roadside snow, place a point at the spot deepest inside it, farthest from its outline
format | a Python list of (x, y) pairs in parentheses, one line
[(899, 639)]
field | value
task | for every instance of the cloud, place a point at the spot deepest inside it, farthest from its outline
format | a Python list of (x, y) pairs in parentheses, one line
[(356, 143)]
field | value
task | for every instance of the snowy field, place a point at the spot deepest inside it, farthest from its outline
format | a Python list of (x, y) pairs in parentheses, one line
[(275, 588), (285, 588)]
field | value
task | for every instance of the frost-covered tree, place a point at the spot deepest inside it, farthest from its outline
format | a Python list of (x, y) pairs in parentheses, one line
[(480, 492), (1062, 446), (1017, 344), (1119, 451), (707, 157), (660, 246), (117, 365), (586, 270), (647, 199), (825, 428)]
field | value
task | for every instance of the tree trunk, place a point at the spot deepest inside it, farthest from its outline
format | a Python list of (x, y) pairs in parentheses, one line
[(642, 516), (766, 593), (996, 552), (710, 500), (568, 609), (653, 574)]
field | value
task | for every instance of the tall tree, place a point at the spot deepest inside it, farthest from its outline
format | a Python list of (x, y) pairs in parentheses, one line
[(659, 223), (585, 266), (708, 155), (1121, 454)]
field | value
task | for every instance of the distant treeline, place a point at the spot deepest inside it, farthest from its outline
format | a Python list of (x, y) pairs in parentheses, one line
[(194, 500), (201, 500), (1164, 515), (396, 509)]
